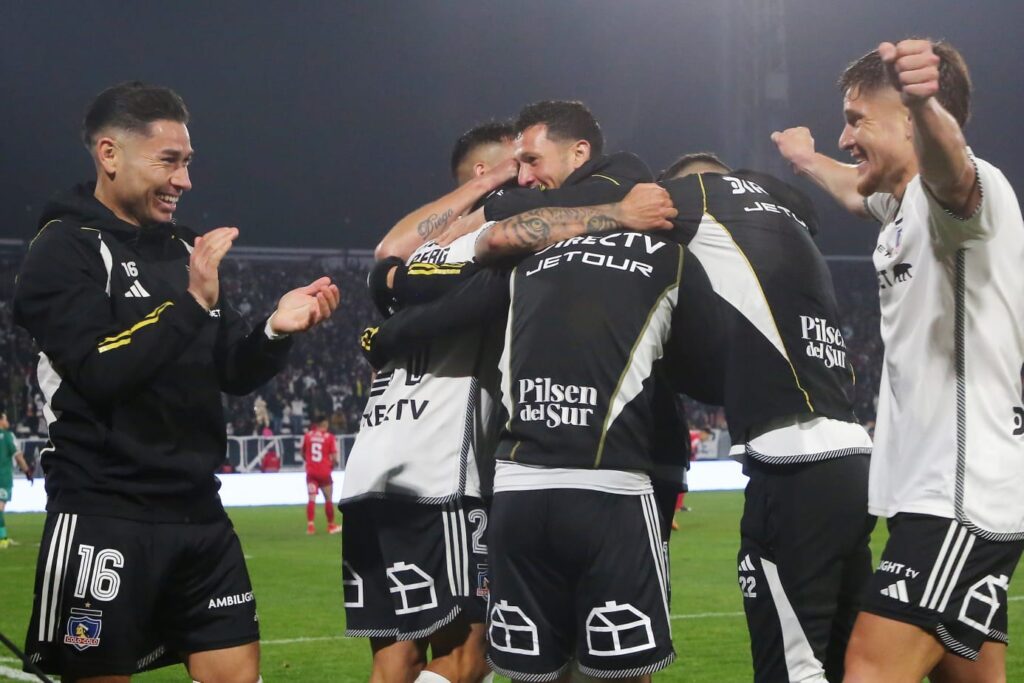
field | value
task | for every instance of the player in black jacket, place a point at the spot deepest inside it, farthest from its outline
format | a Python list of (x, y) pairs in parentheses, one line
[(804, 559), (139, 565)]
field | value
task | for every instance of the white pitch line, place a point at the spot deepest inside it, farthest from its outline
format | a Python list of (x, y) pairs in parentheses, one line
[(707, 615), (15, 674), (311, 639)]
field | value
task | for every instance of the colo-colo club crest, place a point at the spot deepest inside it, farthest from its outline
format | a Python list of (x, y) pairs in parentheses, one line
[(84, 627)]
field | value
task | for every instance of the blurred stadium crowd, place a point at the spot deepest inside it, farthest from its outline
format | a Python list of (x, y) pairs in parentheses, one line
[(327, 374)]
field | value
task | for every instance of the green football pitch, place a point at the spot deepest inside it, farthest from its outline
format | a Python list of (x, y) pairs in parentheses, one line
[(297, 580)]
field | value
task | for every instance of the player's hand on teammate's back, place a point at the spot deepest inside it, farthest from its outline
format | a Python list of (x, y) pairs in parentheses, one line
[(203, 264), (795, 145), (647, 207), (305, 307), (915, 68)]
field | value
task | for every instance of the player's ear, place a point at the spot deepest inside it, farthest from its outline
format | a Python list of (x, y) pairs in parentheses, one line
[(581, 152), (107, 153)]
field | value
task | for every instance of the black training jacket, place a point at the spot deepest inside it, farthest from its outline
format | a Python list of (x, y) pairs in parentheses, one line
[(785, 353), (131, 366), (594, 325)]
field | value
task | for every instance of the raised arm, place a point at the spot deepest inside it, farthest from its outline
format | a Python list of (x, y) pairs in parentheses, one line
[(838, 179), (942, 158), (646, 207), (430, 219)]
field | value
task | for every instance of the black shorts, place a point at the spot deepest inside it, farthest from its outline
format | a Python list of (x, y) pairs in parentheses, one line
[(937, 574), (803, 564), (409, 569), (577, 574), (117, 596)]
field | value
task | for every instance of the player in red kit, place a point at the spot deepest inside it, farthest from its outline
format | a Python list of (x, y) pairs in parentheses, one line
[(320, 451)]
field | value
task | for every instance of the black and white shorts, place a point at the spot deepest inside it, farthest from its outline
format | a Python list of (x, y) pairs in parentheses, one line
[(117, 596), (577, 574), (937, 574), (408, 569), (803, 564)]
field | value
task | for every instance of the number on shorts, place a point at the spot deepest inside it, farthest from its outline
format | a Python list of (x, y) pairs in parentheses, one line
[(479, 518), (747, 586), (105, 581)]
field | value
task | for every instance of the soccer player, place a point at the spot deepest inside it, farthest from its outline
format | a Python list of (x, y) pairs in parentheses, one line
[(320, 452), (139, 565), (481, 164), (9, 452), (414, 564), (804, 555), (946, 470), (558, 146), (578, 568)]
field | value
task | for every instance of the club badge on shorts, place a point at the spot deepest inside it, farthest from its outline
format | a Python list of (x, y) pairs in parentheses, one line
[(84, 627)]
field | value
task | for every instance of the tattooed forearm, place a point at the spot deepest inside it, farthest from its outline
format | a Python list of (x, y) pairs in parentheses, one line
[(434, 223), (535, 230)]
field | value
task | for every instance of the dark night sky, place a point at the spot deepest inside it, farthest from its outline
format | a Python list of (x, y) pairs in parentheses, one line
[(321, 123)]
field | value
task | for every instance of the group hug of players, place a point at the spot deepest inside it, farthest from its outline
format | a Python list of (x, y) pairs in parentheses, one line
[(508, 497), (509, 494)]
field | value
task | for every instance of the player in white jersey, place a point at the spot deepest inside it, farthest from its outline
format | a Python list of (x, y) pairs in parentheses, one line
[(414, 555), (948, 464)]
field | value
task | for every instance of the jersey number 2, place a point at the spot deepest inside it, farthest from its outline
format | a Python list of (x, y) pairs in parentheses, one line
[(479, 518)]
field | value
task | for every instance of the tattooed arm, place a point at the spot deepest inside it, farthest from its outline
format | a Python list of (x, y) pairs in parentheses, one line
[(646, 207), (429, 220)]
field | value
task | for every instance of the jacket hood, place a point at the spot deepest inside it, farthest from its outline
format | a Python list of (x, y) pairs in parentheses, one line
[(790, 197), (623, 165), (79, 204)]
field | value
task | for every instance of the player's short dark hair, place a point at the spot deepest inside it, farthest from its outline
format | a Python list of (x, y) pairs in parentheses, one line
[(132, 106), (484, 134), (687, 160), (869, 73), (566, 120)]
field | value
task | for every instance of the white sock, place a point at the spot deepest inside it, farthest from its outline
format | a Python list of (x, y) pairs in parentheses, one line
[(430, 677), (489, 678)]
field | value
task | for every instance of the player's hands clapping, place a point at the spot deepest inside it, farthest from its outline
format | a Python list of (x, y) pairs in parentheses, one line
[(204, 262), (647, 207), (915, 67), (305, 307), (795, 145)]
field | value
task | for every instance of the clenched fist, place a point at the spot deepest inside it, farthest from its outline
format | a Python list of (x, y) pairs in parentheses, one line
[(916, 69), (795, 145)]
